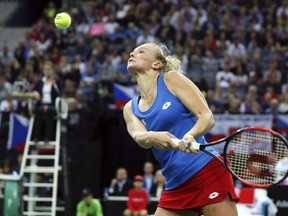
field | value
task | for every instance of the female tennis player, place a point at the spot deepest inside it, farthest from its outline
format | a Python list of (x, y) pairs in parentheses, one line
[(171, 106)]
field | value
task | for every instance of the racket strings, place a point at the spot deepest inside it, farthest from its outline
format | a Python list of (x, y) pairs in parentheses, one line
[(253, 156)]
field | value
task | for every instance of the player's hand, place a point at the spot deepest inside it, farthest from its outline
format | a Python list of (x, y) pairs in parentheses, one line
[(185, 147), (162, 140)]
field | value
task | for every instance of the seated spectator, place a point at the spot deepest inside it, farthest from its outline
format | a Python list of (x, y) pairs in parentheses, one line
[(81, 49), (106, 75), (237, 50), (9, 104), (282, 9), (222, 44), (256, 62), (16, 167), (89, 206), (246, 104), (88, 82), (210, 66), (43, 43), (5, 87), (273, 106), (281, 168), (255, 78), (69, 89), (213, 101), (7, 169), (284, 87), (241, 81), (283, 107), (226, 60), (121, 184), (256, 108), (180, 53), (224, 80), (110, 24), (6, 56), (148, 177), (267, 97), (234, 105), (158, 185), (264, 205), (265, 101), (209, 41), (145, 36), (137, 199), (249, 102), (272, 77)]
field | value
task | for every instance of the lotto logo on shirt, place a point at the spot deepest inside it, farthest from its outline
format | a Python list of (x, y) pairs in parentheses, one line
[(166, 105)]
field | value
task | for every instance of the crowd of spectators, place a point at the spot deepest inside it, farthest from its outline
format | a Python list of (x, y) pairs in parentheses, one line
[(139, 190), (235, 51)]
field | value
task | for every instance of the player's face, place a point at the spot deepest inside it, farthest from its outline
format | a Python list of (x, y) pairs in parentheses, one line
[(141, 59)]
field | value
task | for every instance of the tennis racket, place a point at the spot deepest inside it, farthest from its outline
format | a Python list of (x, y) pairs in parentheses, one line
[(253, 155)]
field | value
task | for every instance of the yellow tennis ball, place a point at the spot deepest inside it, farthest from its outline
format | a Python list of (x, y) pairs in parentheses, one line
[(62, 20)]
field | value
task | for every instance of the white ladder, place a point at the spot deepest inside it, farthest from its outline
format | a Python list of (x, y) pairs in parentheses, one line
[(31, 155)]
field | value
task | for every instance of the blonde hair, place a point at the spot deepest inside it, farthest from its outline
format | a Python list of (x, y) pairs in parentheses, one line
[(169, 62)]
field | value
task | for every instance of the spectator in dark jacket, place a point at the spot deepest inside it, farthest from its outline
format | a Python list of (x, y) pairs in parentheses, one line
[(121, 184)]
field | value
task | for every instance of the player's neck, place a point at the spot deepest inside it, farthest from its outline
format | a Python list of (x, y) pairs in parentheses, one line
[(147, 85)]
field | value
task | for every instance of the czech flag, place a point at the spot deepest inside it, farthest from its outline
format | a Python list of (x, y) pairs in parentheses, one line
[(122, 94), (18, 129)]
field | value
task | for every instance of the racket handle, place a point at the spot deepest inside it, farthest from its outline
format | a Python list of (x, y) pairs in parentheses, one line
[(194, 147)]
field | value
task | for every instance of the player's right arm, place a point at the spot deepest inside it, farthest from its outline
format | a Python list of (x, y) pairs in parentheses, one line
[(146, 139)]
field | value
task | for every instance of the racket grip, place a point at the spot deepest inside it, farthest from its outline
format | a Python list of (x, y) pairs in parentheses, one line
[(194, 147)]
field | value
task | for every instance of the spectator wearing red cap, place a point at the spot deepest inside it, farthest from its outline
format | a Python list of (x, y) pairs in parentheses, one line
[(137, 199)]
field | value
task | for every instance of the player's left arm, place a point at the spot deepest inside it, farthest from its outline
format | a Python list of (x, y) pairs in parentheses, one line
[(192, 98)]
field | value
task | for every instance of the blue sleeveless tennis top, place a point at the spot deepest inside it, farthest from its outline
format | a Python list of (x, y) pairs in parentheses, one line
[(168, 114)]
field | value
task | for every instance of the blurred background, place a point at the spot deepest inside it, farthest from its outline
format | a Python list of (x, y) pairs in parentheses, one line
[(235, 51)]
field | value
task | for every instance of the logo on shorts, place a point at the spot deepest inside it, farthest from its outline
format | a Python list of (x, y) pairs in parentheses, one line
[(213, 195)]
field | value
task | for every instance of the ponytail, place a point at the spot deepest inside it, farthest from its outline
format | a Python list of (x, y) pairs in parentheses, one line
[(172, 63), (169, 62)]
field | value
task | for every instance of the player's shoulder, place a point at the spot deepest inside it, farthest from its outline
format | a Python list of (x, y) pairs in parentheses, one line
[(127, 109), (127, 106), (174, 79), (173, 76)]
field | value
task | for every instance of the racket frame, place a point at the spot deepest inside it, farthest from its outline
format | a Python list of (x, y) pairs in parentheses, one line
[(225, 162)]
